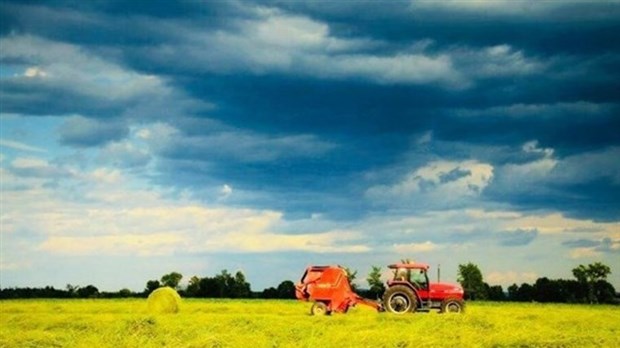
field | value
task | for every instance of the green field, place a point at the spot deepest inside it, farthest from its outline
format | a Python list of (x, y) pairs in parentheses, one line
[(266, 323)]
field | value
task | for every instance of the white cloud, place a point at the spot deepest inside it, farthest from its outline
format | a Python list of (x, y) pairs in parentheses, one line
[(527, 173), (414, 248), (494, 61), (507, 278), (532, 147), (325, 242), (498, 7), (401, 68), (556, 223), (445, 180), (112, 217), (124, 154), (578, 108), (35, 72), (36, 167), (225, 191), (20, 146), (275, 41), (12, 266), (142, 244), (68, 66), (584, 253)]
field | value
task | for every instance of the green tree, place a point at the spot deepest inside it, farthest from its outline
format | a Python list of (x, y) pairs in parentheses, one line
[(352, 276), (124, 292), (88, 291), (589, 275), (193, 286), (240, 288), (171, 279), (286, 290), (209, 287), (374, 282), (270, 293), (72, 290), (225, 282), (470, 278), (151, 286), (495, 292)]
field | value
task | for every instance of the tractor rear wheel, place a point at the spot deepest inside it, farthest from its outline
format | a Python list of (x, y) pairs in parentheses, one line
[(399, 299), (452, 305), (319, 308)]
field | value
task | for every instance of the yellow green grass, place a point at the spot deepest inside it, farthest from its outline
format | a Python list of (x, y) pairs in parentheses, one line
[(265, 323)]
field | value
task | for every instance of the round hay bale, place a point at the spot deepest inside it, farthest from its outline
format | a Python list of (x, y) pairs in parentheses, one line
[(163, 300)]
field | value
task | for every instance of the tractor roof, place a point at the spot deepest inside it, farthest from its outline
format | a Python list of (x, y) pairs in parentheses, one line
[(410, 265)]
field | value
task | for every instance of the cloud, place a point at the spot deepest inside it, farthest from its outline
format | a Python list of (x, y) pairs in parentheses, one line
[(517, 237), (20, 146), (555, 110), (415, 248), (495, 62), (284, 43), (64, 79), (591, 247), (234, 145), (274, 41), (581, 253), (576, 168), (507, 278), (466, 129), (111, 217), (437, 181), (66, 66), (84, 132), (508, 8), (225, 191), (143, 245), (37, 168), (124, 154), (35, 72)]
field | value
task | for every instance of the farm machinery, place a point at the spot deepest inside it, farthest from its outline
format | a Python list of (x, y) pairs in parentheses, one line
[(408, 291)]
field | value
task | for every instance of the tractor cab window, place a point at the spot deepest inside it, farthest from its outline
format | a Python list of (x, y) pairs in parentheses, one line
[(401, 274), (419, 276)]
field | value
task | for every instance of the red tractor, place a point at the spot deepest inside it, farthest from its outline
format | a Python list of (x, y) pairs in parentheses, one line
[(408, 291)]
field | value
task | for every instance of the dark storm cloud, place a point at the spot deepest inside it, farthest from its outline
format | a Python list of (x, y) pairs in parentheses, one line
[(311, 100), (547, 27)]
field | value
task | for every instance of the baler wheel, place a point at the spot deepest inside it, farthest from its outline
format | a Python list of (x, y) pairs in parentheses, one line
[(319, 308), (399, 299)]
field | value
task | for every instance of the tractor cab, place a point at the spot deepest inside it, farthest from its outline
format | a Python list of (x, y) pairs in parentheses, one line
[(412, 273)]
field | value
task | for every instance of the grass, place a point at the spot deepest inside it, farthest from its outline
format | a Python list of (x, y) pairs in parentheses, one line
[(265, 323)]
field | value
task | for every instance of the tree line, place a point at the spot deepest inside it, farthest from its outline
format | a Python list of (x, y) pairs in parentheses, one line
[(222, 285), (589, 286)]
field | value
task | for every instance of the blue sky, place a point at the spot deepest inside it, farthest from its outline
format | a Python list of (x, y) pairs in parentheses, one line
[(139, 138)]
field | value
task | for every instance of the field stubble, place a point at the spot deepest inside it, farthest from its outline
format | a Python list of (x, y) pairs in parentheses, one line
[(273, 323)]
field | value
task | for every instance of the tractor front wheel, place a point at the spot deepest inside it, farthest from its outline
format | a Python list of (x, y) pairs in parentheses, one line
[(399, 299), (319, 308), (452, 305)]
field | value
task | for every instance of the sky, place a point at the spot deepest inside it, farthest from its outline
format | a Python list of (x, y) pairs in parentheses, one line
[(143, 137)]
